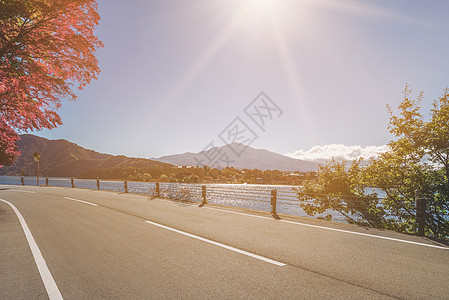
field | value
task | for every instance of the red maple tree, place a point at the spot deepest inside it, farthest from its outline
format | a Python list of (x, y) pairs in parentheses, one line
[(46, 48)]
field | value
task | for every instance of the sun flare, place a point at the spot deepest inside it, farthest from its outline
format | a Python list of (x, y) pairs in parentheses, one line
[(257, 10), (262, 5)]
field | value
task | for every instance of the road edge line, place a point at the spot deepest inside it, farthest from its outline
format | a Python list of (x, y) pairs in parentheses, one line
[(48, 280), (334, 229)]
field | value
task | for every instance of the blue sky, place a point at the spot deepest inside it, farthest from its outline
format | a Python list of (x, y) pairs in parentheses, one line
[(176, 73)]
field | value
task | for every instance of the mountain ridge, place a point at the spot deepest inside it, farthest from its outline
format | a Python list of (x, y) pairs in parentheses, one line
[(62, 158), (241, 156)]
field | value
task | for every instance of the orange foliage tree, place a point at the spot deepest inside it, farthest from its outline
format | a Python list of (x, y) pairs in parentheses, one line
[(47, 47)]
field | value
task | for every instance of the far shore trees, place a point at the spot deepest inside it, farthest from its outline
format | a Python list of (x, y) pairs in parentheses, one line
[(46, 48), (416, 165), (194, 174)]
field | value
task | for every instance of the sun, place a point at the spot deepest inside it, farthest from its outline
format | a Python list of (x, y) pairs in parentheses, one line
[(262, 4), (260, 9)]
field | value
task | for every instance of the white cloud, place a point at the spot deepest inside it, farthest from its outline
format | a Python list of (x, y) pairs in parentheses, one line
[(339, 152)]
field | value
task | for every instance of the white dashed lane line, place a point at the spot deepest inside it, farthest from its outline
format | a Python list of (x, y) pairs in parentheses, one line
[(279, 264), (77, 200)]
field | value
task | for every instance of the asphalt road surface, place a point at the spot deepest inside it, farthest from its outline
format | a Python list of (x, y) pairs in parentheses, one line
[(82, 244)]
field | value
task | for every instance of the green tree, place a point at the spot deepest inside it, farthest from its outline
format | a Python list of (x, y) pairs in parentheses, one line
[(195, 178), (146, 177), (416, 164), (342, 189), (163, 178)]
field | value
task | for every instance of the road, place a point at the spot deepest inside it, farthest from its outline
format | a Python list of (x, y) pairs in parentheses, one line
[(106, 245)]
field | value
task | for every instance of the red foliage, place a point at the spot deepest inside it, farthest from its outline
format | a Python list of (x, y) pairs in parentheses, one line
[(46, 48), (8, 139)]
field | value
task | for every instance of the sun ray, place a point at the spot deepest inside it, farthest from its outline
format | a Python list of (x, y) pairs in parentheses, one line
[(257, 13), (199, 65), (295, 81)]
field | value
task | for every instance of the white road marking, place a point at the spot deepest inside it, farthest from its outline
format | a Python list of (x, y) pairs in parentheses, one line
[(334, 229), (68, 198), (220, 245), (49, 283), (243, 214)]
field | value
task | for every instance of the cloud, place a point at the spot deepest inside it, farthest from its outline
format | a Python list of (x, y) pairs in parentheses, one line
[(339, 152)]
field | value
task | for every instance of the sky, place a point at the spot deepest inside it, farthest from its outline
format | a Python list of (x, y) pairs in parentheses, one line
[(307, 78)]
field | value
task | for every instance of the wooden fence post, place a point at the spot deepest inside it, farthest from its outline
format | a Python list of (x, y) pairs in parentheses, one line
[(203, 195), (420, 204), (158, 189), (274, 195)]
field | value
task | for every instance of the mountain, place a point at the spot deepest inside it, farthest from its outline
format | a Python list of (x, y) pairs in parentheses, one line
[(61, 158), (241, 157)]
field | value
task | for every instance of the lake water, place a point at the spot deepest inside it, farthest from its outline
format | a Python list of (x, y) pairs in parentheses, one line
[(249, 196)]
